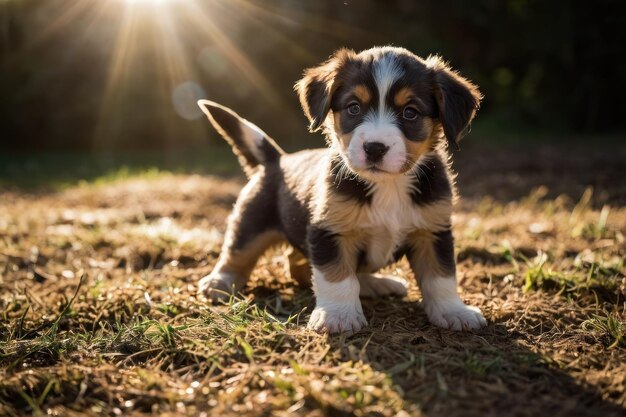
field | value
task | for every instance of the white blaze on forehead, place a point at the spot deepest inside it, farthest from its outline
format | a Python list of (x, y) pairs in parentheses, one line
[(386, 72)]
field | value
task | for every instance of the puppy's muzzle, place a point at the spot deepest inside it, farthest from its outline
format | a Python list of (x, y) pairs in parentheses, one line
[(375, 151)]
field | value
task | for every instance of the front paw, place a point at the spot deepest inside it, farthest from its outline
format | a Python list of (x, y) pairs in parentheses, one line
[(337, 319), (455, 315), (217, 286)]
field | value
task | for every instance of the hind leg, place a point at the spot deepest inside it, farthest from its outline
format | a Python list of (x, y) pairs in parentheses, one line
[(251, 230), (299, 268), (235, 265), (379, 285)]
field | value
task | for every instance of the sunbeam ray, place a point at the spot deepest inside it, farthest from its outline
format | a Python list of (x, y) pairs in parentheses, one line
[(122, 55), (207, 26)]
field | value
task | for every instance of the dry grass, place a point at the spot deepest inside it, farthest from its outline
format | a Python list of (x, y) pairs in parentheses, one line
[(99, 314)]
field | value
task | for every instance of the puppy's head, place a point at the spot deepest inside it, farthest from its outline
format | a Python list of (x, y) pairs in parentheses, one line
[(385, 107)]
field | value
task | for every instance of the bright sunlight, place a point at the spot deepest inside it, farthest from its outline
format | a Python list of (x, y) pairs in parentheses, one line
[(155, 35)]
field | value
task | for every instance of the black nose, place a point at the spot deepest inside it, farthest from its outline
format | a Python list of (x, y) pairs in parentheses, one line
[(375, 151)]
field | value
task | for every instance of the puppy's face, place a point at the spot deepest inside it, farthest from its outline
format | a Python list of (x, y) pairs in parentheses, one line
[(384, 108)]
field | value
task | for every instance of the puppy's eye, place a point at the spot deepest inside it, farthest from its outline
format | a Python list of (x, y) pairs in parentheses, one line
[(354, 109), (409, 113)]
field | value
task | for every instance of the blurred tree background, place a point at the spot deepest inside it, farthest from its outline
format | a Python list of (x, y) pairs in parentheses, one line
[(113, 75)]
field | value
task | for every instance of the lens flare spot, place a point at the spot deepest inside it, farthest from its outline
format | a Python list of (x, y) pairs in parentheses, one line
[(185, 96)]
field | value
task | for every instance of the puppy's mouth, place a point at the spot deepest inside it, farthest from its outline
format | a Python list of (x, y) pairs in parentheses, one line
[(376, 169)]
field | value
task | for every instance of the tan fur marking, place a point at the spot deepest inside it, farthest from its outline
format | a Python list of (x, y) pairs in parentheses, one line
[(299, 267), (242, 261), (344, 140), (403, 96), (362, 93), (423, 260), (418, 149), (345, 266), (437, 215)]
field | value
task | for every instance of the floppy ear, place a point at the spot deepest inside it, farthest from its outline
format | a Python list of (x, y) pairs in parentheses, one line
[(457, 98), (317, 87)]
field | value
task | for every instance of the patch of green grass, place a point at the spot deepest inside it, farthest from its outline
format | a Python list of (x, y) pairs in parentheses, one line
[(582, 227), (536, 272), (538, 276), (19, 345), (596, 230), (123, 173), (609, 326), (594, 278), (238, 344)]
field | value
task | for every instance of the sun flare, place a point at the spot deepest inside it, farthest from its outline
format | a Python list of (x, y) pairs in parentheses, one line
[(148, 1), (177, 44)]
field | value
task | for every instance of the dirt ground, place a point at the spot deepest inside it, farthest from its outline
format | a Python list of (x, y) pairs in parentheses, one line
[(99, 315)]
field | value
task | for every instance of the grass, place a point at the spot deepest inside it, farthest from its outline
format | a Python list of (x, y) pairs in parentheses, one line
[(610, 326), (99, 312), (587, 278)]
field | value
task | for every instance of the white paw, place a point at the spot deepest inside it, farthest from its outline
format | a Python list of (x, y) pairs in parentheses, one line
[(455, 315), (373, 285), (337, 319), (217, 286)]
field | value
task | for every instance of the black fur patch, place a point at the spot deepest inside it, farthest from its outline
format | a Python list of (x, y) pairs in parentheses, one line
[(413, 130), (294, 219), (323, 246), (348, 122), (351, 187), (400, 252), (458, 100), (444, 250), (361, 261), (431, 182), (318, 102), (293, 210), (259, 213), (270, 152)]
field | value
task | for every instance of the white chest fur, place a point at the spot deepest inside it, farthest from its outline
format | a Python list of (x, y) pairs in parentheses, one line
[(388, 219), (380, 226)]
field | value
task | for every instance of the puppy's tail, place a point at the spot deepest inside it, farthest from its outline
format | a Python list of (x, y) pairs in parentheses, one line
[(252, 146)]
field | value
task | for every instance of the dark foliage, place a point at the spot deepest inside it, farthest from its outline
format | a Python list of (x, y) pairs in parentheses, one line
[(116, 75)]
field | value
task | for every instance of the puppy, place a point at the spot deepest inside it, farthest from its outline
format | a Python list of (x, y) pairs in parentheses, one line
[(380, 191)]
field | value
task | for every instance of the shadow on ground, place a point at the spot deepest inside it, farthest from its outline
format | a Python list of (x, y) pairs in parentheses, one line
[(442, 373)]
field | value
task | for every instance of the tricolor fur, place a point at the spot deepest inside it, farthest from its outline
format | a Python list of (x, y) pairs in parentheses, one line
[(380, 191)]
